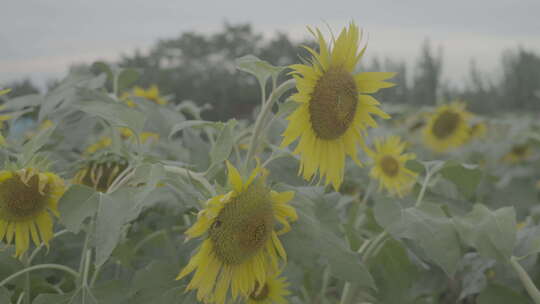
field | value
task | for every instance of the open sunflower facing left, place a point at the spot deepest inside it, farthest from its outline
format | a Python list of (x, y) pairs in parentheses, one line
[(389, 166), (335, 108), (241, 245), (27, 200), (447, 128)]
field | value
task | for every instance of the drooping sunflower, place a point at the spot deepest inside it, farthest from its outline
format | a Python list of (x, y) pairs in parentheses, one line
[(447, 128), (389, 166), (518, 153), (241, 245), (28, 197), (273, 292), (151, 94), (100, 174), (335, 108)]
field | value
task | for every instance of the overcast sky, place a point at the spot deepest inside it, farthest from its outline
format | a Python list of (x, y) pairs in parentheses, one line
[(39, 39)]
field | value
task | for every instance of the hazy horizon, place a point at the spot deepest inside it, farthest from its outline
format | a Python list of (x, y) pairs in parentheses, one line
[(42, 38)]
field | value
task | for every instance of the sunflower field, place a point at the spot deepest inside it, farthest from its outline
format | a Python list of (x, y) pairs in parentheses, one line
[(328, 195)]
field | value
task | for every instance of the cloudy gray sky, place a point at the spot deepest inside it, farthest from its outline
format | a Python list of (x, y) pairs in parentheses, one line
[(39, 39)]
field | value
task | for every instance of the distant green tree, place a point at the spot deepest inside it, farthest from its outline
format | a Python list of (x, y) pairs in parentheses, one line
[(520, 83), (201, 67), (21, 87), (427, 76)]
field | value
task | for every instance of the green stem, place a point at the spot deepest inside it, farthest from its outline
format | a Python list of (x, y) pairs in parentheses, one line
[(86, 267), (423, 190), (325, 282), (266, 110), (42, 266), (525, 280)]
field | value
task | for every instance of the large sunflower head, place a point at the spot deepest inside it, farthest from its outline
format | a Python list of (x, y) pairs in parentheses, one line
[(389, 166), (447, 128), (335, 108), (100, 174), (28, 197), (241, 245), (273, 292)]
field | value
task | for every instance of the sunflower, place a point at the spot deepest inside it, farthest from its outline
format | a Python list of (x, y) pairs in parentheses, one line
[(389, 166), (273, 292), (100, 174), (447, 128), (241, 246), (334, 109), (125, 133), (518, 153), (478, 130), (27, 199), (151, 94)]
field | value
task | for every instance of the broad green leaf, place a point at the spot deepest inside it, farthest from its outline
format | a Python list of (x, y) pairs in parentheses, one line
[(53, 298), (153, 282), (116, 210), (427, 225), (77, 204), (474, 268), (394, 274), (286, 107), (109, 225), (224, 143), (528, 241), (5, 296), (465, 177), (492, 233), (308, 233), (261, 69), (116, 114), (35, 144), (112, 292), (499, 294), (190, 124)]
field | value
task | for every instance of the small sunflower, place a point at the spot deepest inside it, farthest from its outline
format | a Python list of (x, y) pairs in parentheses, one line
[(447, 128), (241, 246), (151, 94), (125, 133), (335, 108), (478, 130), (518, 153), (389, 166), (27, 200), (100, 174), (273, 292)]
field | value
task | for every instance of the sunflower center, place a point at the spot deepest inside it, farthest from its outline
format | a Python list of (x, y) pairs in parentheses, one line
[(243, 226), (333, 104), (20, 201), (261, 295), (519, 150), (390, 165), (445, 124)]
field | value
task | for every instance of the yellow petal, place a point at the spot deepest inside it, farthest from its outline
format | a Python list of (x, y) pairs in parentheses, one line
[(234, 178)]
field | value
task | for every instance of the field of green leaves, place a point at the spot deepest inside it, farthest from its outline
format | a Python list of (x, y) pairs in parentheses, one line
[(122, 194)]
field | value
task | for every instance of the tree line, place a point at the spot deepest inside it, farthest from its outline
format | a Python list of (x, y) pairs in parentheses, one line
[(201, 67)]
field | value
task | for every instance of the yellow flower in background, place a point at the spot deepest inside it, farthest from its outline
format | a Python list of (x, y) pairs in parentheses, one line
[(478, 130), (4, 91), (27, 200), (389, 166), (125, 133), (335, 109), (517, 154), (151, 94), (100, 175), (447, 128), (102, 143), (46, 124), (241, 245), (273, 292)]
